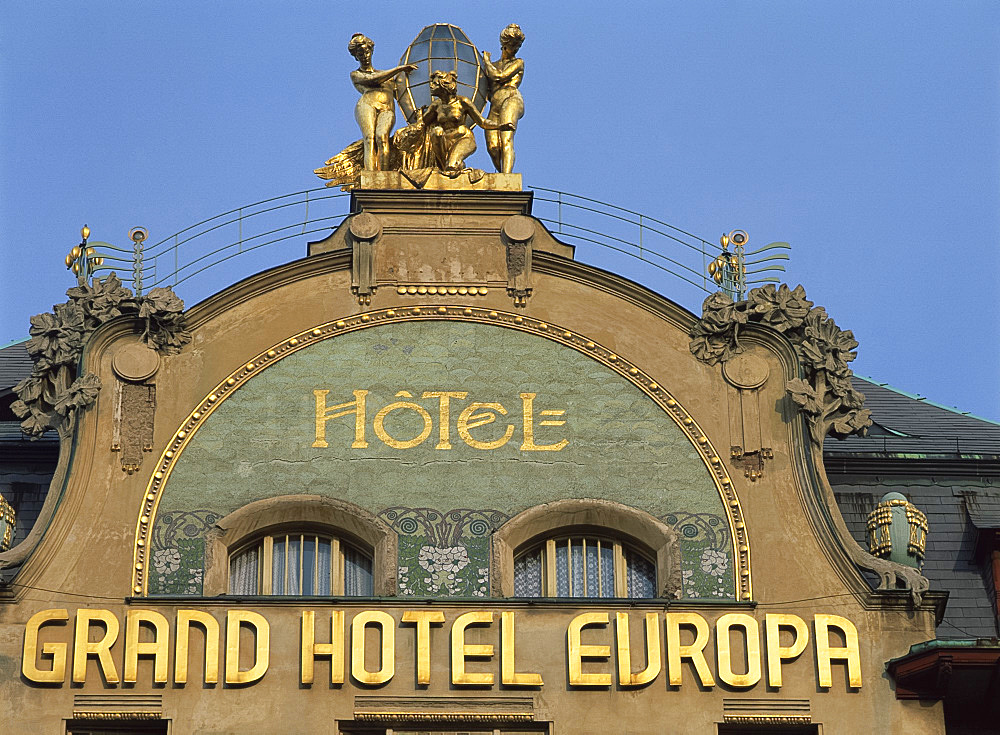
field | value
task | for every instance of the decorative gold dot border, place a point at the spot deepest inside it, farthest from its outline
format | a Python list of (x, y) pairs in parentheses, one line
[(639, 378), (423, 289)]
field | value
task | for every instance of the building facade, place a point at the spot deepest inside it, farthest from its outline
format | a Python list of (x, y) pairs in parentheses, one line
[(437, 476)]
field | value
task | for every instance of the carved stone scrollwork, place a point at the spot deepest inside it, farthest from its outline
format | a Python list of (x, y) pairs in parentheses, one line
[(517, 233), (135, 404), (746, 373), (823, 392), (364, 229), (53, 393)]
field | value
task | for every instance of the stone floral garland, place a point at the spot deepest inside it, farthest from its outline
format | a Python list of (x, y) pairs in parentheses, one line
[(824, 393), (54, 391)]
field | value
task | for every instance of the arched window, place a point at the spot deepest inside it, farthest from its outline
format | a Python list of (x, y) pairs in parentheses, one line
[(300, 545), (583, 565), (585, 548), (300, 563)]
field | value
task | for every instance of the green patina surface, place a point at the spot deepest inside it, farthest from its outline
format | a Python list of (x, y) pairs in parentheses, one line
[(444, 503)]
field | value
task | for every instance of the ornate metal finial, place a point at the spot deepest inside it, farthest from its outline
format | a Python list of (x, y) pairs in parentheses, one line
[(442, 85), (8, 524), (138, 235), (83, 259), (897, 530)]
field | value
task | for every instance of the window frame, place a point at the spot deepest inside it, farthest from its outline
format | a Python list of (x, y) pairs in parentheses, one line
[(265, 563), (549, 562), (313, 514), (604, 518)]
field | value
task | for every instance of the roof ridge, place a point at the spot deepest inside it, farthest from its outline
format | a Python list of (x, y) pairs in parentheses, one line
[(12, 343), (925, 400)]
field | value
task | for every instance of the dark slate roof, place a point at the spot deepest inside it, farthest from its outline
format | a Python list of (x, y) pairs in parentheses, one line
[(15, 365), (908, 425), (984, 511), (950, 562)]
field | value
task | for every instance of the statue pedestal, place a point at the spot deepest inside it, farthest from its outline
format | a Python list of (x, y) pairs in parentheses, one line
[(440, 182)]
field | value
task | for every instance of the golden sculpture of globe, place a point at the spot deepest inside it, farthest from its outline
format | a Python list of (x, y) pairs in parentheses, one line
[(440, 47)]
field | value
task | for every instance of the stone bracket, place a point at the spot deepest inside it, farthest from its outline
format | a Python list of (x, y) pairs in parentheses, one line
[(517, 233), (364, 229)]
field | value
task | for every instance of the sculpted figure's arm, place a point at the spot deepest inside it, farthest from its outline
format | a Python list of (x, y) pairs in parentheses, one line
[(471, 111), (496, 76), (377, 77)]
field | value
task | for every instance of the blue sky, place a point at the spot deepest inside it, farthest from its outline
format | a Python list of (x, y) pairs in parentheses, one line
[(865, 134)]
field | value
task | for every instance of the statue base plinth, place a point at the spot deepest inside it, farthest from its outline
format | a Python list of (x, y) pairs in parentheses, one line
[(437, 181)]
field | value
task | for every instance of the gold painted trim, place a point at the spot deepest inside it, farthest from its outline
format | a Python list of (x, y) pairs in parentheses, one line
[(767, 719), (410, 716), (608, 358), (116, 715)]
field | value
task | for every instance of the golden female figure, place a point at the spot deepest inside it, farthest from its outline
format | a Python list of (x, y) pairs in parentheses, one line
[(376, 110), (506, 104), (451, 140)]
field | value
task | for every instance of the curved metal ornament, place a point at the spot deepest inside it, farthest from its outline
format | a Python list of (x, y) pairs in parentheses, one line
[(699, 440)]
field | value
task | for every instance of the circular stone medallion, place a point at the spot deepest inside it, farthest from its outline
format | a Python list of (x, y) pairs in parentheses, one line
[(745, 370), (135, 362)]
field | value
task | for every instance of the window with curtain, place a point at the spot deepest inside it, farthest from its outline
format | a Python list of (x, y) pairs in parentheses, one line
[(583, 566), (300, 563)]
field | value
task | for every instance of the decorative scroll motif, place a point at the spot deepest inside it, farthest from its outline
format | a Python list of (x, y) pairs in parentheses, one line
[(825, 394), (443, 554), (178, 552), (54, 392), (8, 524), (891, 511), (706, 554), (708, 454)]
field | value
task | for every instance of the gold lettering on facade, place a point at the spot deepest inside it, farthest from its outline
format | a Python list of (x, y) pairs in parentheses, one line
[(469, 419), (751, 638), (57, 651), (84, 648), (311, 649), (387, 634), (423, 620), (579, 651), (773, 623), (694, 651), (508, 670), (697, 631), (626, 677), (444, 413), (324, 414), (379, 423), (460, 650), (158, 648), (476, 414), (529, 445), (235, 621), (825, 653), (211, 626)]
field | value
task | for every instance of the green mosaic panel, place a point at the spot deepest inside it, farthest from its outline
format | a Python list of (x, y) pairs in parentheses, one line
[(621, 446)]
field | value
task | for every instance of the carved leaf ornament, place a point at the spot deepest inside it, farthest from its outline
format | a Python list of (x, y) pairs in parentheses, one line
[(54, 391), (824, 392)]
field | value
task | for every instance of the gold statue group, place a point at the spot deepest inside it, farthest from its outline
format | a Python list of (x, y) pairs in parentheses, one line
[(438, 139)]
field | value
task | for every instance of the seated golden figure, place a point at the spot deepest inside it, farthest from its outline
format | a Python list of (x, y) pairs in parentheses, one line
[(451, 141)]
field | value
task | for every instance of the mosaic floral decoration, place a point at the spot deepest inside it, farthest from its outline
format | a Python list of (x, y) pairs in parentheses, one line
[(706, 565), (443, 554), (177, 551)]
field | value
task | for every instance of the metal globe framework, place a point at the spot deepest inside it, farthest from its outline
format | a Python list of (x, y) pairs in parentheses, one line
[(440, 47)]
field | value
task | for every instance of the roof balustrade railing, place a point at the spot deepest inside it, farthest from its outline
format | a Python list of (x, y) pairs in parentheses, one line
[(266, 233)]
